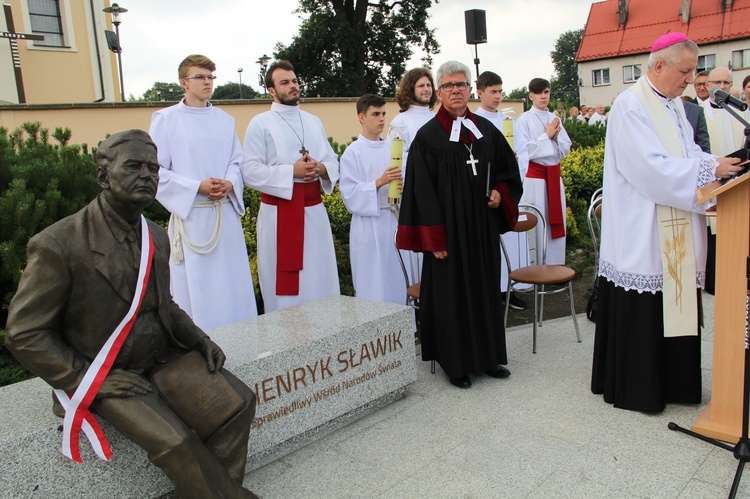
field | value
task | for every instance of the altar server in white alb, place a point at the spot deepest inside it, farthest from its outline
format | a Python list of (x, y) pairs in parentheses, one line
[(415, 98), (201, 186), (287, 157), (647, 343), (365, 176), (541, 143), (490, 92)]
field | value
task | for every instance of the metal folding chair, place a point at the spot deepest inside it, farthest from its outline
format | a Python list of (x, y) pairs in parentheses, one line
[(541, 276)]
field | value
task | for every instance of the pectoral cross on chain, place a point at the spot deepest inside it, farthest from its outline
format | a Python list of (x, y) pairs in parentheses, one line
[(472, 161), (303, 151)]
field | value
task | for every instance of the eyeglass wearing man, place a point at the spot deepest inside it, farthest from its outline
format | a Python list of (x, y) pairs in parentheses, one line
[(701, 86), (720, 77)]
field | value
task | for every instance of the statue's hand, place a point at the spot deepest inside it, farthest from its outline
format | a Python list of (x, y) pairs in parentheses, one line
[(120, 383), (214, 355)]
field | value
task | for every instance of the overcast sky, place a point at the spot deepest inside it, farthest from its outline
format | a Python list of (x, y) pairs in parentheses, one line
[(157, 35)]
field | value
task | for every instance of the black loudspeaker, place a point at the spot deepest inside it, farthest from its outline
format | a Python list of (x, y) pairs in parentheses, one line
[(476, 26)]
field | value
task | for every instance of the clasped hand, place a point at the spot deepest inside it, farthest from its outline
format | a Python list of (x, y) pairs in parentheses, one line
[(215, 188), (309, 169)]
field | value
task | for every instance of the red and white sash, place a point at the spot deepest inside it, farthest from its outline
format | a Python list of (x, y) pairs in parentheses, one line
[(77, 414)]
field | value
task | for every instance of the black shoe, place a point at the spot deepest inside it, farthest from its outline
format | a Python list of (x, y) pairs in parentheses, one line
[(462, 382), (515, 302), (500, 372)]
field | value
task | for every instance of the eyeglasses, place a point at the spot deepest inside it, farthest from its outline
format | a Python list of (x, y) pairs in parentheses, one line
[(448, 87), (701, 85), (720, 82), (200, 77)]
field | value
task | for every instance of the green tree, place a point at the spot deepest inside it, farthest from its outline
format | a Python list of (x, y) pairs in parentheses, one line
[(521, 93), (162, 91), (565, 82), (231, 90), (346, 48)]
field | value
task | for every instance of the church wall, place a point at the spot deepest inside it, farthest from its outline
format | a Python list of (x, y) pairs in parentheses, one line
[(91, 122), (69, 73)]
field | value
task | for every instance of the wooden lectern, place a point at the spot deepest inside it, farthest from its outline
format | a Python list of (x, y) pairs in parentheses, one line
[(722, 418)]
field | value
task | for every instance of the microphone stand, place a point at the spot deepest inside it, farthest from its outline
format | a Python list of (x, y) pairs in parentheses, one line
[(741, 450)]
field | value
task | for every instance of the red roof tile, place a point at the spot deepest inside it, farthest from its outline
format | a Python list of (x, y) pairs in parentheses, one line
[(604, 37)]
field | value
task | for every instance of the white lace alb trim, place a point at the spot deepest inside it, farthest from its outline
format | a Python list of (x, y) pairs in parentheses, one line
[(639, 282)]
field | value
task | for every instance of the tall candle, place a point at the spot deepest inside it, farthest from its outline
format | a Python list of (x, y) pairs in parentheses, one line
[(397, 153), (508, 131)]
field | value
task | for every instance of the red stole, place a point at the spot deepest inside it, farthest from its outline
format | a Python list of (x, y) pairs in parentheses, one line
[(290, 234), (551, 174)]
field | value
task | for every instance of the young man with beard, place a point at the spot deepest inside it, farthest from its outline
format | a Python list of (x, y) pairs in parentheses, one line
[(287, 157)]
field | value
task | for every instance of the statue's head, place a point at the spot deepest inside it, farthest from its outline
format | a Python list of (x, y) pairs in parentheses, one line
[(128, 171)]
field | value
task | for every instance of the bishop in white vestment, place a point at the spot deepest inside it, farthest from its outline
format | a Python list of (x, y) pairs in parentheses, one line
[(647, 346)]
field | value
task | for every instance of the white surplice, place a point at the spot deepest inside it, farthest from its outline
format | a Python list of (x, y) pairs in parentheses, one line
[(272, 143), (412, 119), (640, 174), (532, 144), (195, 144), (725, 133), (516, 244), (376, 271)]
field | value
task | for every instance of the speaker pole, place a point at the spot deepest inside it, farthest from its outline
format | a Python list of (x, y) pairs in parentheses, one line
[(476, 32), (476, 58)]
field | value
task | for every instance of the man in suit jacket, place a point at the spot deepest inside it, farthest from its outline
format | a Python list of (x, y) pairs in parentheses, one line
[(79, 283), (697, 119)]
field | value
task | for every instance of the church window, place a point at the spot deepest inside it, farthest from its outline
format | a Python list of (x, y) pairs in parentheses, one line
[(600, 77), (46, 20)]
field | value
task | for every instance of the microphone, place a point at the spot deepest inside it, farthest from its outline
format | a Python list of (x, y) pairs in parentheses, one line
[(720, 96)]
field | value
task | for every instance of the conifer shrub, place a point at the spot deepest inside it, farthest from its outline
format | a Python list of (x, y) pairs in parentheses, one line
[(584, 135), (40, 183), (582, 173)]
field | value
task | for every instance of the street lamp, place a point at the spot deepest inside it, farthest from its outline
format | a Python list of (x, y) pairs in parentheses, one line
[(239, 72), (115, 11), (263, 61)]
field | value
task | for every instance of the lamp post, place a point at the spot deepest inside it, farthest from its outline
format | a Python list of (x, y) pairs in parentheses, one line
[(239, 73), (115, 11), (263, 61)]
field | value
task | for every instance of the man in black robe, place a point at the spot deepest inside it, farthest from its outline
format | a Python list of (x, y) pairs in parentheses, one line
[(461, 192)]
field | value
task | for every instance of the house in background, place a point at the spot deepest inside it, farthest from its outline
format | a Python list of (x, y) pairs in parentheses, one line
[(619, 33), (73, 63)]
